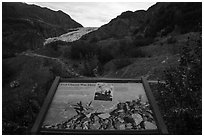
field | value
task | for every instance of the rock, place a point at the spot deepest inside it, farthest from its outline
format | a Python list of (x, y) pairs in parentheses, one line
[(95, 125), (137, 118), (14, 84), (122, 126), (122, 115), (48, 126), (88, 115), (128, 119), (121, 110), (121, 120), (104, 116), (121, 106), (118, 125), (105, 124), (78, 127), (129, 126), (149, 125), (145, 119), (106, 121)]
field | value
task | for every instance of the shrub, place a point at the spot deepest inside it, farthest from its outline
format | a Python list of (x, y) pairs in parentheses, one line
[(75, 65), (181, 97), (129, 49), (94, 40), (143, 41), (67, 52), (121, 63), (171, 40), (8, 54), (21, 105), (7, 72), (136, 52), (89, 66), (104, 55), (81, 49), (57, 42)]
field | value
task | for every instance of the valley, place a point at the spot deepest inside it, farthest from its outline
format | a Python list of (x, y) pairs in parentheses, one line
[(161, 44)]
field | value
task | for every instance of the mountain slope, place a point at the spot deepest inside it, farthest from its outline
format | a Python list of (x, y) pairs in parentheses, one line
[(26, 26), (23, 10), (160, 18), (140, 34), (121, 26)]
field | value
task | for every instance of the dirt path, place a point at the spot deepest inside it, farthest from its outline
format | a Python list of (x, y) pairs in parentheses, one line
[(68, 68)]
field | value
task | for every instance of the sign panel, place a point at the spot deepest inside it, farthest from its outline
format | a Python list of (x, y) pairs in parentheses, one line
[(100, 106)]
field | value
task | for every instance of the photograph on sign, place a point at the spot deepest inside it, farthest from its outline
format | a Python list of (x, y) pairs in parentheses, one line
[(104, 91), (77, 106)]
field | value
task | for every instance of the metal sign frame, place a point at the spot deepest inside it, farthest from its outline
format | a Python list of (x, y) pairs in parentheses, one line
[(36, 129)]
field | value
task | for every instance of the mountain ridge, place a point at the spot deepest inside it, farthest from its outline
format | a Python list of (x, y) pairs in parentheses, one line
[(24, 27), (160, 18), (24, 10)]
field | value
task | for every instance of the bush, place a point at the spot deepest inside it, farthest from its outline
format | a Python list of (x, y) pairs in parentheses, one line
[(21, 105), (89, 66), (181, 97), (187, 15), (143, 41), (58, 42), (136, 52), (171, 40), (121, 63), (81, 49), (128, 49), (67, 52), (94, 40), (53, 46), (7, 73), (8, 54), (104, 55)]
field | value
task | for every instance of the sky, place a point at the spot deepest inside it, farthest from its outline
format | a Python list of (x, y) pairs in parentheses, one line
[(94, 14)]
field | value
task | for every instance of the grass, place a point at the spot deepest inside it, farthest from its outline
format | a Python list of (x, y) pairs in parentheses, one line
[(48, 51), (21, 105), (151, 67), (176, 123), (158, 57), (180, 98)]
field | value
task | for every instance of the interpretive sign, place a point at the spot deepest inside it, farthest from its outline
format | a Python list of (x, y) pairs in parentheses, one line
[(98, 107)]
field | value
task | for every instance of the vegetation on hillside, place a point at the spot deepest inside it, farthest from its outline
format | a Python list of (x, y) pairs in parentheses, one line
[(180, 99), (25, 27), (135, 44), (21, 104)]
